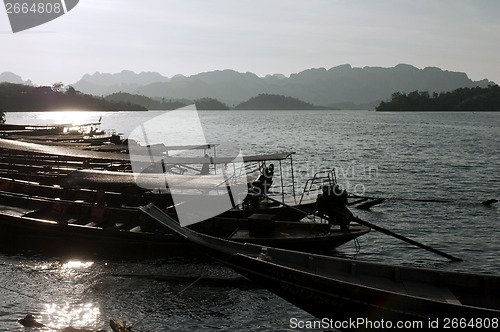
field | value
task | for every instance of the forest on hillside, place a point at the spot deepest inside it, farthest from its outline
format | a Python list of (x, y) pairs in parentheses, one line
[(166, 104), (276, 102), (463, 99), (260, 102), (26, 98)]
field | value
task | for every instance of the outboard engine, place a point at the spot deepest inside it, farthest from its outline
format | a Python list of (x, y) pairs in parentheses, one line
[(332, 205)]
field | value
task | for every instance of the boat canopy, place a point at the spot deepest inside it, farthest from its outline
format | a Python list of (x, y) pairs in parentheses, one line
[(62, 151), (109, 180), (73, 152)]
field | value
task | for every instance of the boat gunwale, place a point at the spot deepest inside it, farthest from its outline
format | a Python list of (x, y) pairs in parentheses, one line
[(225, 250), (375, 292)]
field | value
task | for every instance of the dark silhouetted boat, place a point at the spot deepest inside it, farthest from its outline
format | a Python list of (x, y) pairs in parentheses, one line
[(41, 222), (344, 290)]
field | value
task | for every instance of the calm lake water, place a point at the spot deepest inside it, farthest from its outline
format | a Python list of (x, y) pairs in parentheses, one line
[(401, 156)]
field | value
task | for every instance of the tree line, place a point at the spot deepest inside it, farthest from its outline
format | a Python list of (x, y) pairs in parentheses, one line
[(26, 98), (462, 99), (167, 104), (276, 102), (260, 102)]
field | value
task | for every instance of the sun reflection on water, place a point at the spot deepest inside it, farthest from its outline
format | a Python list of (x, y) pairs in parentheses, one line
[(77, 265), (69, 117), (72, 311), (77, 315)]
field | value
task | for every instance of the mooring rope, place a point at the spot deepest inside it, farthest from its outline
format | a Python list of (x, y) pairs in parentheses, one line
[(34, 298), (175, 296), (135, 323), (167, 301), (26, 295), (357, 247)]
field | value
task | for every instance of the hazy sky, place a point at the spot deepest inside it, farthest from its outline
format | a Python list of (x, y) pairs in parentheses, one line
[(260, 36)]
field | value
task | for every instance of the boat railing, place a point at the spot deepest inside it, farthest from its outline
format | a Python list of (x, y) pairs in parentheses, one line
[(320, 179), (284, 186)]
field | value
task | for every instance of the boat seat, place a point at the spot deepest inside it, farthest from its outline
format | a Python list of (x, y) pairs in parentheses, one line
[(14, 211), (136, 229)]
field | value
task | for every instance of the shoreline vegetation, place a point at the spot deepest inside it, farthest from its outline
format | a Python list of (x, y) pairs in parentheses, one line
[(459, 100), (260, 102), (26, 98)]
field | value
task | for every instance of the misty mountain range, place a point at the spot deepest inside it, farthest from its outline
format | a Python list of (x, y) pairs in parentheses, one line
[(13, 78), (342, 86)]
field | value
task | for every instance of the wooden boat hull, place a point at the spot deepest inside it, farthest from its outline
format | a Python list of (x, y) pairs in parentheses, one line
[(71, 224), (139, 199), (342, 290), (344, 301), (36, 235)]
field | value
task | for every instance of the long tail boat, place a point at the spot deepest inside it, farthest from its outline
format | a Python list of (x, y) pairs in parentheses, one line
[(28, 220), (130, 195), (355, 295), (48, 164)]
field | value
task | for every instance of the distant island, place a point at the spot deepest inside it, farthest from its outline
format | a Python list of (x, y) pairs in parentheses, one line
[(26, 98), (261, 102), (166, 104), (146, 102), (463, 99), (276, 102)]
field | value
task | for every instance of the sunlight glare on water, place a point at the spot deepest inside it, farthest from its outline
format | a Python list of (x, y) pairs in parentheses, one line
[(68, 312), (66, 117), (71, 314), (77, 265)]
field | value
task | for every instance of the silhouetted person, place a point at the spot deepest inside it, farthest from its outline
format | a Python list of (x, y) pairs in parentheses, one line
[(331, 204)]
